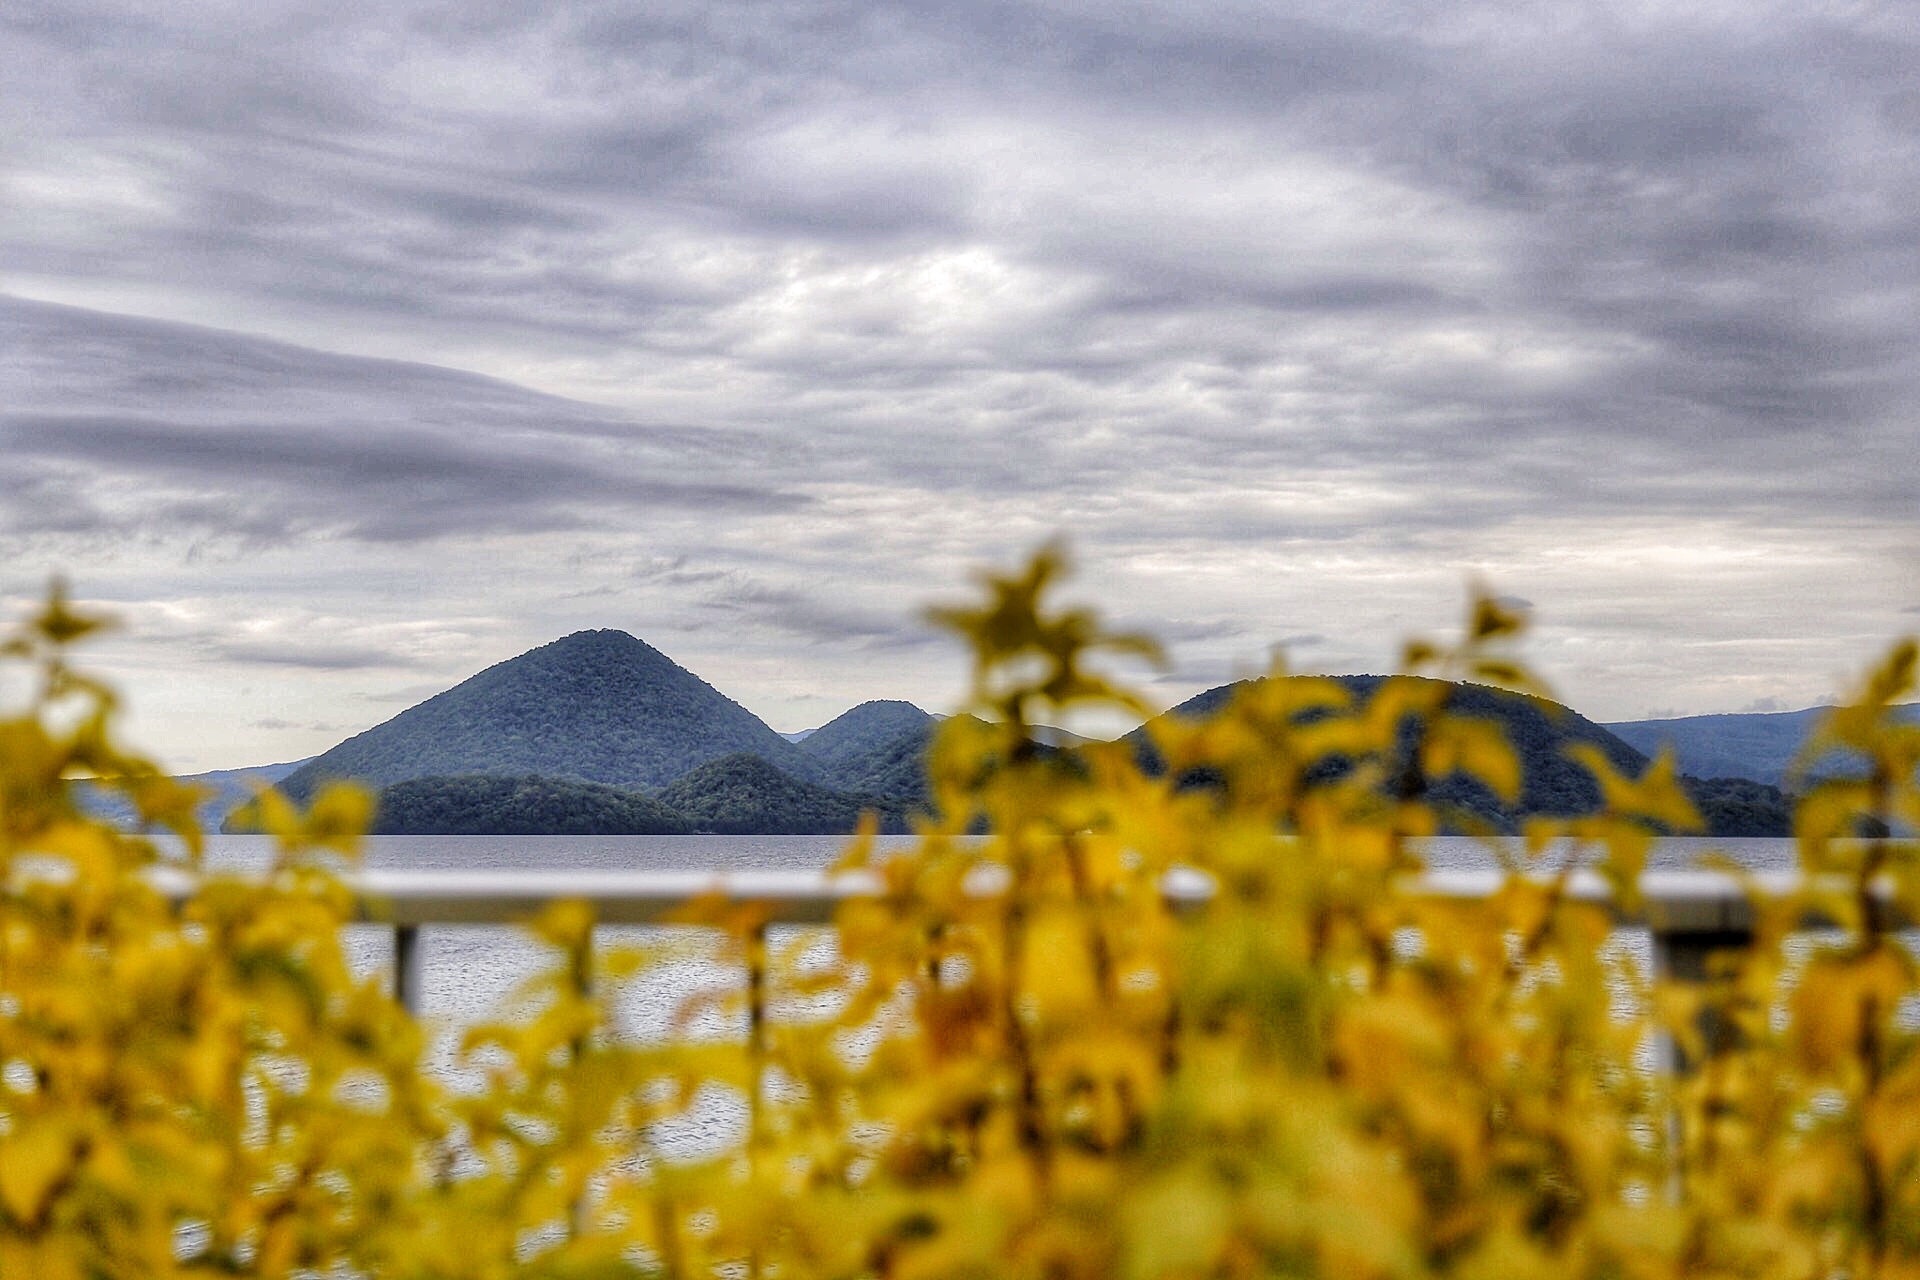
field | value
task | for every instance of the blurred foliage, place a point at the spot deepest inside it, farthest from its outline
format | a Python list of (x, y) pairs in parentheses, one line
[(1028, 1060), (1553, 780)]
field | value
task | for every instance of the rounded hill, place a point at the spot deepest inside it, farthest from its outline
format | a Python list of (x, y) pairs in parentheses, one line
[(850, 737), (1552, 782)]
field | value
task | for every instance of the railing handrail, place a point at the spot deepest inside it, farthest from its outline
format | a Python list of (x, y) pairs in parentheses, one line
[(1692, 915), (1669, 901)]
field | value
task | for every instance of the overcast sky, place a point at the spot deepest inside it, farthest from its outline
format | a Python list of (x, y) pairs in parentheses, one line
[(348, 348)]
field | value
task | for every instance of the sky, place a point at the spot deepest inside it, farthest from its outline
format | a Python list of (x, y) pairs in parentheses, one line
[(349, 348)]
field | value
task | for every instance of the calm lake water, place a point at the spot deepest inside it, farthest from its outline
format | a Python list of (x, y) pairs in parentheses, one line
[(472, 972)]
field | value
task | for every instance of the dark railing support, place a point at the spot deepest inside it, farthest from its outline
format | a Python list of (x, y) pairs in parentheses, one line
[(1694, 957), (408, 978), (756, 1036), (1697, 958), (756, 1064)]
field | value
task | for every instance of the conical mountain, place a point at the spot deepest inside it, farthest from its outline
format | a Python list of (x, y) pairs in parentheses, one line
[(596, 706)]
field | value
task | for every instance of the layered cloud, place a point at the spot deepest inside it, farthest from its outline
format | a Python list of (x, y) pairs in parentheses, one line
[(1292, 318), (126, 426)]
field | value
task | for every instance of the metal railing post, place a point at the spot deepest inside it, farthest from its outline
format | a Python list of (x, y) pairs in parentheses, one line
[(756, 1064), (1696, 957), (1700, 921), (755, 1031), (408, 975)]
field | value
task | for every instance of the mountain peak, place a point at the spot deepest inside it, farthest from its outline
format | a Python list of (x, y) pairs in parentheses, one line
[(596, 640), (594, 706), (865, 728), (589, 634)]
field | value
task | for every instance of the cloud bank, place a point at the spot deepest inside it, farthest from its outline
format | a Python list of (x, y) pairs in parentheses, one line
[(473, 316)]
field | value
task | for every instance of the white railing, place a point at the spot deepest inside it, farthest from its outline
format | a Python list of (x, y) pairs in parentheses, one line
[(1688, 913)]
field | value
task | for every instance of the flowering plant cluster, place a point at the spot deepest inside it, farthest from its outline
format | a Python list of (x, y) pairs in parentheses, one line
[(1024, 1059)]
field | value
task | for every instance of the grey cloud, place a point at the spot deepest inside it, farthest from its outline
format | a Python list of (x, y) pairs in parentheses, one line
[(36, 500), (1203, 62), (407, 695), (1172, 631), (676, 571), (313, 657), (265, 442), (331, 476), (1626, 183), (1191, 677), (1195, 673), (815, 616), (1378, 286)]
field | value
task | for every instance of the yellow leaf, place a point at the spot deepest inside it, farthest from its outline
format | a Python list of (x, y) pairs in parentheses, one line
[(567, 925), (62, 624), (338, 817), (1477, 748), (1837, 999), (32, 1163), (1179, 1226)]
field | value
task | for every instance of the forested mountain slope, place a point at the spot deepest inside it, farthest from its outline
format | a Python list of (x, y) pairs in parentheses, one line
[(488, 804), (744, 795), (878, 748), (854, 735)]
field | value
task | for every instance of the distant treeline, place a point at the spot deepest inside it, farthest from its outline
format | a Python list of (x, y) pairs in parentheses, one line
[(735, 795)]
